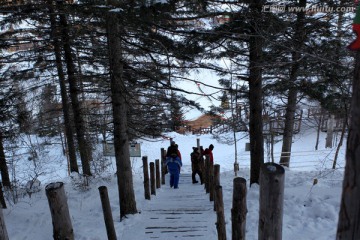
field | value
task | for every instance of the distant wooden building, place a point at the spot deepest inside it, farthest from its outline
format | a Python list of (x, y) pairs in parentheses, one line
[(201, 125)]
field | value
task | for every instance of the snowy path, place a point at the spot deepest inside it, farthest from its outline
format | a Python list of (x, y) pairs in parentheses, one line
[(184, 213)]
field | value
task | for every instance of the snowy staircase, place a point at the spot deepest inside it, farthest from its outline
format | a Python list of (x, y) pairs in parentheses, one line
[(184, 213)]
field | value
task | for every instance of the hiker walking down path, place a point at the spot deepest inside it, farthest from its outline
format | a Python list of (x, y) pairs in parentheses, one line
[(174, 164), (196, 165)]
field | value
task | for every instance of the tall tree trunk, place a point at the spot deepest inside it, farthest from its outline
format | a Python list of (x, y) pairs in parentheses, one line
[(289, 125), (3, 232), (118, 95), (3, 166), (343, 129), (319, 129), (255, 96), (330, 131), (349, 215), (84, 146), (338, 49), (64, 97), (299, 37)]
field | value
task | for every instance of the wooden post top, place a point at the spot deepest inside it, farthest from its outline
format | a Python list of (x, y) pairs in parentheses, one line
[(53, 186), (239, 180), (272, 168)]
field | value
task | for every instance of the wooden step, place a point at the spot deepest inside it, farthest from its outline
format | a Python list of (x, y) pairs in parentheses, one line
[(184, 213)]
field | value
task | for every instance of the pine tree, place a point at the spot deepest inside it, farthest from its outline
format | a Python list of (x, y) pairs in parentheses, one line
[(121, 138), (47, 119), (299, 40)]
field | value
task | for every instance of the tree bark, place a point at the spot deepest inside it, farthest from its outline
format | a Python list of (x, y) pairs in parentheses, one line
[(118, 95), (5, 178), (299, 37), (64, 97), (349, 215), (289, 123), (3, 231), (255, 96), (330, 131), (84, 145), (343, 129), (2, 198), (319, 129)]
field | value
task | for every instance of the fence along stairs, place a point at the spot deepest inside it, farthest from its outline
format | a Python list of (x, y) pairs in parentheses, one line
[(184, 213)]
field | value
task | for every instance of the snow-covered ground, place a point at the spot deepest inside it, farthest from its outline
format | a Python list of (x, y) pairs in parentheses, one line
[(310, 211)]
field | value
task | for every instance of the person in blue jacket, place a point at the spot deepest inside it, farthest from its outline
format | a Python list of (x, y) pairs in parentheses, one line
[(174, 164)]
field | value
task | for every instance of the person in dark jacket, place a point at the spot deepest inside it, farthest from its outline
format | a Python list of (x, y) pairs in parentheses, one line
[(174, 164), (173, 150), (196, 165)]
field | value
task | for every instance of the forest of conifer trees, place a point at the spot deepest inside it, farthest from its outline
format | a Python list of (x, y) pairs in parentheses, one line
[(96, 70)]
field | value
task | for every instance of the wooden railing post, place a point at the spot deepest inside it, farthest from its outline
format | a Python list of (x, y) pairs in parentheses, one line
[(216, 175), (272, 177), (216, 181), (163, 165), (202, 163), (152, 178), (109, 222), (157, 167), (239, 209), (211, 181), (146, 177), (220, 224), (207, 175), (62, 227)]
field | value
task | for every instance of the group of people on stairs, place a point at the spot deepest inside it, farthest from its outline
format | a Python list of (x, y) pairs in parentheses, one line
[(174, 163)]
